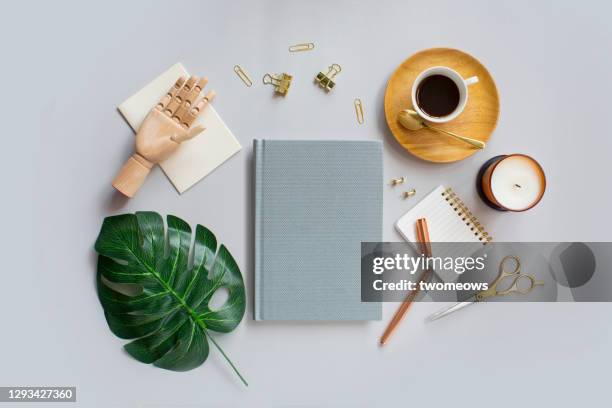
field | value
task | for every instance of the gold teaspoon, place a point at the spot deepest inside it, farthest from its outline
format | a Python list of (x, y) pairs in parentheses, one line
[(412, 121)]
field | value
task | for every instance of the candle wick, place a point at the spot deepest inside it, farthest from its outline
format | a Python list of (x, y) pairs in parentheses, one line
[(517, 185)]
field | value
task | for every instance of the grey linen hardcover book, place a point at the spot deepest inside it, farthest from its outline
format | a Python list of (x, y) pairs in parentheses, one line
[(315, 202)]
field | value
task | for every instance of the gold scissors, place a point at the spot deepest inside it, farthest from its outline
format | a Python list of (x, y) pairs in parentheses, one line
[(516, 277)]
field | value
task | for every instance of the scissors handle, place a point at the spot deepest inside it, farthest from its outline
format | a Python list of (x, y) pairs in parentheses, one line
[(506, 272), (516, 288), (513, 288)]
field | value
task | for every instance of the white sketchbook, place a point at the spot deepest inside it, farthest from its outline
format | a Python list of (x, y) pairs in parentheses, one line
[(197, 157)]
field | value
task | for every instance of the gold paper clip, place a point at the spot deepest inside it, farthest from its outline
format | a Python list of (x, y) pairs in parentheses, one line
[(359, 110), (301, 47), (281, 82), (325, 81), (243, 75)]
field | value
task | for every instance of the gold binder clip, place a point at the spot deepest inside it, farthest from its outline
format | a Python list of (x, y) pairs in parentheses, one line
[(359, 111), (301, 47), (280, 82), (325, 81), (243, 75)]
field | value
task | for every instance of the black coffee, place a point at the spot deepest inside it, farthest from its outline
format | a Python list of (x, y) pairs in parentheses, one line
[(437, 95)]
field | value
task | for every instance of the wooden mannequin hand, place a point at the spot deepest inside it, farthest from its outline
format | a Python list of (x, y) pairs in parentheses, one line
[(166, 126), (160, 135)]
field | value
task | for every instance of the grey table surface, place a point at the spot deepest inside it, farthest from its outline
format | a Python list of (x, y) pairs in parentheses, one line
[(67, 65)]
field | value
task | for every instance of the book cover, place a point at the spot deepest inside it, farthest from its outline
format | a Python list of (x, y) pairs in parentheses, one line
[(315, 202)]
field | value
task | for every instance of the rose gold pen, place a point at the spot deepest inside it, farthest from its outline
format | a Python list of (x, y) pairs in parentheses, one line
[(425, 248)]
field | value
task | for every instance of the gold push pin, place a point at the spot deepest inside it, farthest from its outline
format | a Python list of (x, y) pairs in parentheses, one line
[(394, 182), (280, 82), (359, 110), (301, 47), (409, 193), (325, 81)]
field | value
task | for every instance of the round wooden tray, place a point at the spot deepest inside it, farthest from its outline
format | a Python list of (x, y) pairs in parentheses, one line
[(478, 120)]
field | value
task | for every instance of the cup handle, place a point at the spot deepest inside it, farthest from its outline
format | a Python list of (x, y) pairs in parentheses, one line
[(471, 80)]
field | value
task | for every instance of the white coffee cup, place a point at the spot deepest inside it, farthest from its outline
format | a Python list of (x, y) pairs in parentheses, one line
[(462, 85)]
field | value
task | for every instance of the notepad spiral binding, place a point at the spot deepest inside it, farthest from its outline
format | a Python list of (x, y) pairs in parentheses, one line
[(466, 216)]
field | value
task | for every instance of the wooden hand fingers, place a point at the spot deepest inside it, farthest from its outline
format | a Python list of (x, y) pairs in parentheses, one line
[(196, 90), (179, 102), (179, 98), (163, 102), (189, 99), (192, 114)]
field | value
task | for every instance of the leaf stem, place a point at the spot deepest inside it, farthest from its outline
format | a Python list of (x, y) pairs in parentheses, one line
[(226, 357)]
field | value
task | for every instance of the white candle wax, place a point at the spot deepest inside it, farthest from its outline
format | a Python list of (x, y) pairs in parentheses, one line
[(517, 182)]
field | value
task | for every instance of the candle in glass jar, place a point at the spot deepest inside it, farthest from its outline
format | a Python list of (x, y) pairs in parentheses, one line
[(514, 183)]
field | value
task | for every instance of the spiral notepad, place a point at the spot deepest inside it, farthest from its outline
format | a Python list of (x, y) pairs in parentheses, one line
[(448, 218)]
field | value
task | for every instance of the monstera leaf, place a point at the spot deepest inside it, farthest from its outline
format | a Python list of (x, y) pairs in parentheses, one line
[(152, 293)]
